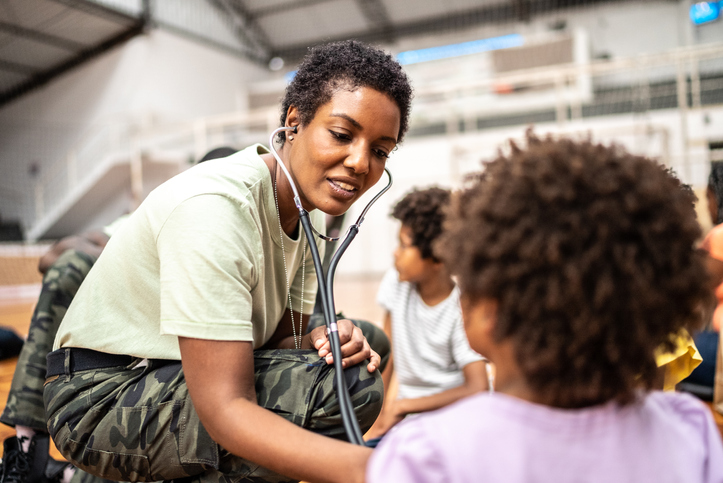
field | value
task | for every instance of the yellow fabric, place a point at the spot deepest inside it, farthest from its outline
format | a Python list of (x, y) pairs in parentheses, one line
[(679, 363)]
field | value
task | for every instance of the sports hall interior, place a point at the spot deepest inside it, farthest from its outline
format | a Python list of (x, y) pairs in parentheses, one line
[(103, 100)]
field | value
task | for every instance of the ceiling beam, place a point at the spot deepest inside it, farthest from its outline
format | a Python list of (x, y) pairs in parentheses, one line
[(22, 69), (98, 10), (41, 37), (43, 77), (378, 18), (522, 10), (247, 30), (283, 7)]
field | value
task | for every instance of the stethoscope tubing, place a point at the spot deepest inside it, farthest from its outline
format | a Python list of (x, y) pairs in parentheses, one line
[(325, 288)]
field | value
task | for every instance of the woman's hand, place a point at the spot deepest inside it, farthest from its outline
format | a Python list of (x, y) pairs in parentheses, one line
[(354, 346)]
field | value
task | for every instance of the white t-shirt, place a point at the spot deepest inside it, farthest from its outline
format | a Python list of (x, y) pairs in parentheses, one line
[(201, 257), (429, 343)]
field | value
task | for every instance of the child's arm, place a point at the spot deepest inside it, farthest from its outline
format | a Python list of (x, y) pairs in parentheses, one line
[(715, 270), (380, 427), (389, 369), (475, 380)]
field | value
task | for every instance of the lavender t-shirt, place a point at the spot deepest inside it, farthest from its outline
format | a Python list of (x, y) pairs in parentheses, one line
[(665, 437)]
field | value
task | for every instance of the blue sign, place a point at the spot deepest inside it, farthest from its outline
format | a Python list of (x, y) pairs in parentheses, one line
[(704, 12)]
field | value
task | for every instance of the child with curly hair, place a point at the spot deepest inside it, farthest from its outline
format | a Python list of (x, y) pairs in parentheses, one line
[(432, 360), (575, 262)]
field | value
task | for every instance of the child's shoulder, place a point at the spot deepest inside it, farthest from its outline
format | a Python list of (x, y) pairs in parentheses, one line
[(675, 409), (678, 406)]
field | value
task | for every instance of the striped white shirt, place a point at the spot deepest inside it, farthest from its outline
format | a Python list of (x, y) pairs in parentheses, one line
[(429, 343)]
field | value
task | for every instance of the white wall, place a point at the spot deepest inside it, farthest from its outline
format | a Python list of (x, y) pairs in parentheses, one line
[(152, 78)]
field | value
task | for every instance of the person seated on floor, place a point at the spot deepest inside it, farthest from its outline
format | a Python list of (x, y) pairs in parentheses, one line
[(64, 266), (701, 380), (575, 262), (431, 357), (677, 364), (26, 457)]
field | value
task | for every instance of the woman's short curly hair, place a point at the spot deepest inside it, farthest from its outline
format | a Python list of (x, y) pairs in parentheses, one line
[(422, 210), (345, 65), (589, 252)]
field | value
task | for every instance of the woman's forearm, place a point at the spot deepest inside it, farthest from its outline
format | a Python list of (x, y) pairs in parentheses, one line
[(221, 383), (252, 432)]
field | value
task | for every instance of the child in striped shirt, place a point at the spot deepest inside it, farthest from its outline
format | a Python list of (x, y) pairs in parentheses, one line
[(431, 357)]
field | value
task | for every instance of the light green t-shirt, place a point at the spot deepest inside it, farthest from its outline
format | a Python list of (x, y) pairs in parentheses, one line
[(201, 257)]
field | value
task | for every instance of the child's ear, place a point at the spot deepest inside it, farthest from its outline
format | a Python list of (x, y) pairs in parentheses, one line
[(480, 318)]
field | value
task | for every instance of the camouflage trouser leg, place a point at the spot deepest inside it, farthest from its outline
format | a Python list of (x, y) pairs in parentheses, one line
[(25, 401), (138, 423)]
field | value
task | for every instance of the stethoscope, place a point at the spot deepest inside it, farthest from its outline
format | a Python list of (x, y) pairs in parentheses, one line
[(326, 286)]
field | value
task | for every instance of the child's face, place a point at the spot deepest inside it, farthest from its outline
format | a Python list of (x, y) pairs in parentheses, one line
[(408, 259)]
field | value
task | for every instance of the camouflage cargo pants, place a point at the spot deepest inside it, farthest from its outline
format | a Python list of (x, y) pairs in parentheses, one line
[(137, 423), (25, 401)]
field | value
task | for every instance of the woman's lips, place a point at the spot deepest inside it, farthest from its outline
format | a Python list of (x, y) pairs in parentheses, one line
[(342, 189)]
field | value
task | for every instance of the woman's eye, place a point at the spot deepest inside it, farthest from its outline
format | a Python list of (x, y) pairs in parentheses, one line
[(340, 136), (381, 154)]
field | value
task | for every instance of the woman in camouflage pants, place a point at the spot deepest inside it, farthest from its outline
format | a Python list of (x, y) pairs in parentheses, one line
[(180, 357)]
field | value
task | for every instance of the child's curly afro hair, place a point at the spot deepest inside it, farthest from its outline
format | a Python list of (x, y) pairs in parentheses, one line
[(422, 210), (589, 252)]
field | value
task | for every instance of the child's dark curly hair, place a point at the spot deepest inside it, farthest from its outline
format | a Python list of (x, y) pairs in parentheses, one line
[(423, 212), (589, 253), (346, 65)]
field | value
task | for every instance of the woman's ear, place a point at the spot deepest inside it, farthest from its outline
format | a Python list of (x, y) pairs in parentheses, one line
[(292, 118)]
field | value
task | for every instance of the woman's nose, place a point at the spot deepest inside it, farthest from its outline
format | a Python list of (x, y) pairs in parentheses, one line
[(358, 159)]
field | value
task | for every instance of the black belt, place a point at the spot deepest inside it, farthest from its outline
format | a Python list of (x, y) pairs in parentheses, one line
[(82, 360)]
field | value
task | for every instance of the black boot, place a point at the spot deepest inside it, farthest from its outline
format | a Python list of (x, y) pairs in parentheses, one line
[(35, 466)]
